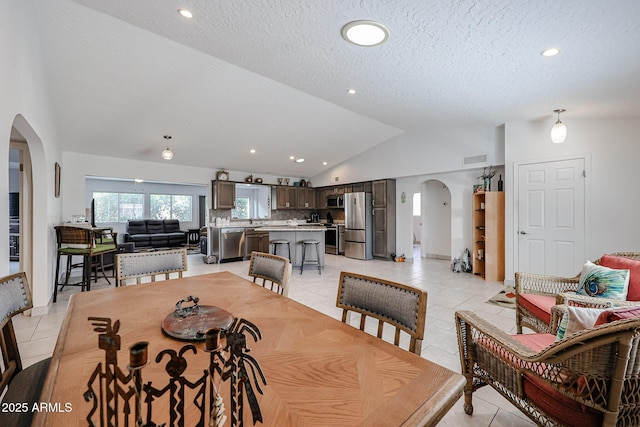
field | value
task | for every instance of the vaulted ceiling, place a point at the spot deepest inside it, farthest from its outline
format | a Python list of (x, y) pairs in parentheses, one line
[(273, 75)]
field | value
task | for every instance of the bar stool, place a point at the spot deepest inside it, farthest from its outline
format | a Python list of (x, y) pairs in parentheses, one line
[(277, 242), (304, 252)]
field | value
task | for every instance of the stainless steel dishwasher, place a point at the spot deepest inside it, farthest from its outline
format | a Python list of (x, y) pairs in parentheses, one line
[(227, 243)]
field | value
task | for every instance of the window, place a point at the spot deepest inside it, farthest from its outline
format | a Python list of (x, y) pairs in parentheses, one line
[(417, 208), (118, 207), (242, 209), (170, 206)]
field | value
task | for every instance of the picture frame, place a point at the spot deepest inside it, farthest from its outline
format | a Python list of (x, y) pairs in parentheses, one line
[(56, 188)]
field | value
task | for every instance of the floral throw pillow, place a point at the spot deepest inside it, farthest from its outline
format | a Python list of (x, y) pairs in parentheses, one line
[(604, 282)]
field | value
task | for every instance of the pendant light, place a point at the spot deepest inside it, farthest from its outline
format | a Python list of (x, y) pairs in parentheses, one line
[(167, 154), (559, 130)]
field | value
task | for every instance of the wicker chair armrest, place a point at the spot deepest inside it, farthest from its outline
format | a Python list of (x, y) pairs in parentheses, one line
[(482, 330), (557, 313), (529, 283)]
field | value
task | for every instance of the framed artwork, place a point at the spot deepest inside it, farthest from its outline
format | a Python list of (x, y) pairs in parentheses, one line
[(57, 180)]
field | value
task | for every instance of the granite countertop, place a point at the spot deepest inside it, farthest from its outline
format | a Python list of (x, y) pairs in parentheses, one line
[(291, 228)]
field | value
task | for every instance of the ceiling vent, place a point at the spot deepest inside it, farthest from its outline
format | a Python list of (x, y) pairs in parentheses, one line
[(472, 160)]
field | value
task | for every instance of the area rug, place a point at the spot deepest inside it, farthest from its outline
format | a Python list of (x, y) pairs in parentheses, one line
[(505, 298)]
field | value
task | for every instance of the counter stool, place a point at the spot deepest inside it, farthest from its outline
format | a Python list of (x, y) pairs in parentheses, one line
[(304, 252), (277, 242)]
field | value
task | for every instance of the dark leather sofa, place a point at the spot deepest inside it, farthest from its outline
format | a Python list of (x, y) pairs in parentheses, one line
[(155, 233)]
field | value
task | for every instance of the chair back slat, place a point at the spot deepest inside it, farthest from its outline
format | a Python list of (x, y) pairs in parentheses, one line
[(15, 297), (401, 306), (151, 264), (272, 269)]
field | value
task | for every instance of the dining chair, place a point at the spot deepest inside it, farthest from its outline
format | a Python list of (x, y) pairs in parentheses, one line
[(153, 263), (22, 386), (274, 271), (404, 307), (81, 241)]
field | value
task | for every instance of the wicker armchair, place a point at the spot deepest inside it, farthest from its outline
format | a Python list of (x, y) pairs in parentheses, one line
[(589, 378), (551, 290)]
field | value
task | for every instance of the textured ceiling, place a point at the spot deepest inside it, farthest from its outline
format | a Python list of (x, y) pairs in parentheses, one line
[(273, 75)]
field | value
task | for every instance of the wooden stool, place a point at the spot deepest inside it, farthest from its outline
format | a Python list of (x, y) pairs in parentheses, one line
[(277, 242), (304, 252)]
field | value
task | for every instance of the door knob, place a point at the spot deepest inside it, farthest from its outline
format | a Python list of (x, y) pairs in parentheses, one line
[(523, 232)]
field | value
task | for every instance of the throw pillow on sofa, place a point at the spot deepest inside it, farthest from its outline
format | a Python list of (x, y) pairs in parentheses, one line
[(604, 282), (621, 263), (577, 319)]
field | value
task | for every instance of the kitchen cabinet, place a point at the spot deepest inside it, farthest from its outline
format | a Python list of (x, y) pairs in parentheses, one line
[(306, 198), (379, 190), (287, 197), (384, 218), (488, 235), (321, 198), (224, 194), (335, 190), (255, 240)]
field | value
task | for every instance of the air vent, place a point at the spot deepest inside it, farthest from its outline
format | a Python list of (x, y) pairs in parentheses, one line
[(472, 160)]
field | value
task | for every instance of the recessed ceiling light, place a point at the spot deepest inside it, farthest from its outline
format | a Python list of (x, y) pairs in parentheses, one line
[(186, 13), (324, 163), (252, 151), (351, 91), (138, 180), (365, 33), (552, 51), (300, 160), (292, 157)]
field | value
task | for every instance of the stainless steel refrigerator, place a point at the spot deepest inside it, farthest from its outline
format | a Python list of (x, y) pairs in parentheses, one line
[(358, 237)]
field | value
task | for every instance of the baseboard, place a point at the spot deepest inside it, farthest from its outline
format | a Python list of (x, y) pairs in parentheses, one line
[(436, 256)]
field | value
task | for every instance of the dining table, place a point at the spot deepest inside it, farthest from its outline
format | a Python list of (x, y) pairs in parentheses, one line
[(317, 370)]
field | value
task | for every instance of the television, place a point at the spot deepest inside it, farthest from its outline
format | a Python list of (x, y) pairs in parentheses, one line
[(14, 204), (93, 212)]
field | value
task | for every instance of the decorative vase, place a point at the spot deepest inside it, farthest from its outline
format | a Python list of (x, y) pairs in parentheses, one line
[(487, 184)]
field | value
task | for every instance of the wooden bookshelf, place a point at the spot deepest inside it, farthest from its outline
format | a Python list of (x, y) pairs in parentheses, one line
[(488, 235)]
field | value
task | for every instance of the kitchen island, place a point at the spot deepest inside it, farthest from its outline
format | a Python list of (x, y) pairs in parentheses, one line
[(295, 234)]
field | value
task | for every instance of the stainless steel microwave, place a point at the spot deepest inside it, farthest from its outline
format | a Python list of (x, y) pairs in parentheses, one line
[(335, 201)]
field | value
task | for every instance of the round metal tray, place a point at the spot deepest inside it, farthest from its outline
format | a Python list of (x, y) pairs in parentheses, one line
[(192, 323)]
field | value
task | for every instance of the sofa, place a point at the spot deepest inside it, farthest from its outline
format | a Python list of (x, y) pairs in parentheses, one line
[(155, 233), (536, 294)]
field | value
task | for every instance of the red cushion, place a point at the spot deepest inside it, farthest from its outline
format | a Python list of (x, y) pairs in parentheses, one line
[(538, 305), (617, 314), (633, 266), (557, 405), (536, 342)]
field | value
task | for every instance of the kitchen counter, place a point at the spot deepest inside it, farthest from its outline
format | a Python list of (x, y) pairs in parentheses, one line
[(295, 235), (291, 228)]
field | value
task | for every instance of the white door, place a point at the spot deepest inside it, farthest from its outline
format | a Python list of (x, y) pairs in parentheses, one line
[(551, 217)]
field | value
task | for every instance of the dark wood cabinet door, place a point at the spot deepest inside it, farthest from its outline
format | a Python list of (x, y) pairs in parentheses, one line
[(379, 232), (224, 195), (379, 190)]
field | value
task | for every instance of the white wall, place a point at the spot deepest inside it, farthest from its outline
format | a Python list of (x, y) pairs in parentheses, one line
[(613, 145), (460, 185), (436, 220), (432, 150), (23, 86)]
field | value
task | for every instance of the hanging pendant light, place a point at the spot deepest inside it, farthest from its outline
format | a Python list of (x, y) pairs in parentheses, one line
[(167, 154), (559, 130)]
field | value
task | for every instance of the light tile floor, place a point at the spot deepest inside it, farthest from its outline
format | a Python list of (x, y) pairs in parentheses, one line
[(447, 292)]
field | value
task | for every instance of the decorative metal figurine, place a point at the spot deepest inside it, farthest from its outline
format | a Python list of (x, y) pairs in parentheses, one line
[(116, 395)]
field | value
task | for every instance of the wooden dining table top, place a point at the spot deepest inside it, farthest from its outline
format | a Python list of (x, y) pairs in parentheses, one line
[(319, 371)]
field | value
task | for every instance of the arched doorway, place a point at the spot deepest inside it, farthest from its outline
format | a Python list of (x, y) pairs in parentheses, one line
[(433, 230), (33, 210)]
